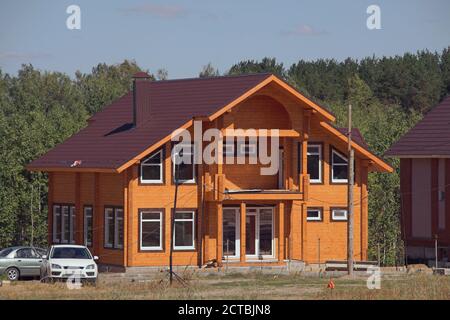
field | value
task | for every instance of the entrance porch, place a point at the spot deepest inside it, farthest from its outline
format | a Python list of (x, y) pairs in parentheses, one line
[(247, 233)]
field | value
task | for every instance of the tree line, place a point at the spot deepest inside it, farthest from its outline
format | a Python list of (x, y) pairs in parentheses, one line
[(39, 109)]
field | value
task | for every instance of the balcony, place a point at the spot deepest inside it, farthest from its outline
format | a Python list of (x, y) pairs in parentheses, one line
[(216, 190)]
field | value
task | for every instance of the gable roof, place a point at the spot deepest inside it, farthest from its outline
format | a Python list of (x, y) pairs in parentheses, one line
[(110, 142), (430, 137)]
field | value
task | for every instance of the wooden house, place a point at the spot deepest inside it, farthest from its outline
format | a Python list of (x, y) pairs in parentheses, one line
[(111, 185), (424, 154)]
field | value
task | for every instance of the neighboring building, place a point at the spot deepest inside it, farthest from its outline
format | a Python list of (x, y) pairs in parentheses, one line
[(424, 154), (111, 185)]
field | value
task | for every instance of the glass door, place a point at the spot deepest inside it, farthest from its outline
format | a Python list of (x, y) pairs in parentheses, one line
[(259, 233), (250, 234), (231, 236)]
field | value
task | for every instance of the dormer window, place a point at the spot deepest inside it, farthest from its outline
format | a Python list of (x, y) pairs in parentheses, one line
[(152, 168)]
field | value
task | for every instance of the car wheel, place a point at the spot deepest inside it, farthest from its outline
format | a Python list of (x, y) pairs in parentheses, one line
[(13, 274)]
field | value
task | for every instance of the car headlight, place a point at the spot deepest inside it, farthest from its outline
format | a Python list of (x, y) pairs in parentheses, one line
[(56, 266), (90, 267)]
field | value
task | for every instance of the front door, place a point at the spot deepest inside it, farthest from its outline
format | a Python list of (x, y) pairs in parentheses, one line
[(259, 233)]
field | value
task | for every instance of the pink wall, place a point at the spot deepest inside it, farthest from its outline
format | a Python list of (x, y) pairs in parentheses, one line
[(421, 198)]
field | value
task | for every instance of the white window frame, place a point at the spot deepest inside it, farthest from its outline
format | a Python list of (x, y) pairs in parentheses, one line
[(72, 222), (227, 145), (319, 218), (65, 218), (118, 218), (55, 214), (160, 220), (256, 211), (334, 218), (333, 152), (192, 153), (88, 213), (160, 165), (320, 154), (108, 243), (192, 247), (237, 232)]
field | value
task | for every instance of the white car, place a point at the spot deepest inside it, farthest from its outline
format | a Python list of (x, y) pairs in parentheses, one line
[(69, 261)]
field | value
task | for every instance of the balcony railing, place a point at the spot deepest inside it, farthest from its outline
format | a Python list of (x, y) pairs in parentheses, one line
[(215, 190)]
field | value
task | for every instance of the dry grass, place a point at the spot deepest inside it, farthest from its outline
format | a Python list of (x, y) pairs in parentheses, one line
[(236, 286)]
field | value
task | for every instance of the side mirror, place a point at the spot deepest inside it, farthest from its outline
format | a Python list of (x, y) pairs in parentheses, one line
[(95, 258), (44, 257)]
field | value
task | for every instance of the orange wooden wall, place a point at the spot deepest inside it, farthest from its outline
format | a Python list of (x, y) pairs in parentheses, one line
[(300, 240)]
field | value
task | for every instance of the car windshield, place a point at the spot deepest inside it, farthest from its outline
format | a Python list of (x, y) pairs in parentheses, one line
[(70, 253), (5, 252)]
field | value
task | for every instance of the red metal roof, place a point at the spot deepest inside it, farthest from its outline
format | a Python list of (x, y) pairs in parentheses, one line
[(430, 136), (110, 140), (356, 136)]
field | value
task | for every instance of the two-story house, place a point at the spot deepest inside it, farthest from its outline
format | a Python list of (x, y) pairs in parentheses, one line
[(424, 154), (111, 185)]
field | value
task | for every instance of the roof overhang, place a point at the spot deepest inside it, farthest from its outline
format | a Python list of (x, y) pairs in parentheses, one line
[(379, 164)]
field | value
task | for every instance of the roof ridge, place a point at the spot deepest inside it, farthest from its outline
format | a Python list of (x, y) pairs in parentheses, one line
[(216, 77)]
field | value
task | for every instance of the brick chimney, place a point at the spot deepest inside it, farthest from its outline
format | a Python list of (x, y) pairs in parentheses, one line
[(141, 98)]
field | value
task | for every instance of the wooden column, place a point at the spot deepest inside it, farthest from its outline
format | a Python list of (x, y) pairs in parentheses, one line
[(125, 217), (219, 233), (132, 212), (304, 223), (280, 231), (242, 231), (50, 208)]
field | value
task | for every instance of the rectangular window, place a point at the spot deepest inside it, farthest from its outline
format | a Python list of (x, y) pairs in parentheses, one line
[(183, 163), (339, 167), (247, 148), (339, 214), (113, 227), (151, 230), (265, 231), (314, 214), (63, 223), (88, 226), (118, 228), (72, 224), (315, 162), (229, 148), (109, 227), (56, 223), (184, 230), (231, 241), (152, 168)]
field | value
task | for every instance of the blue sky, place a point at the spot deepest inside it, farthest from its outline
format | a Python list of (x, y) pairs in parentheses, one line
[(182, 36)]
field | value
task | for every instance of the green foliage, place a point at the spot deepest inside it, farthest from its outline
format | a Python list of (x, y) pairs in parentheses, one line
[(37, 111), (209, 71), (41, 109), (251, 66)]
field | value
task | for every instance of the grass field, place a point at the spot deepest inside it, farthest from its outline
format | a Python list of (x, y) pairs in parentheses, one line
[(237, 286)]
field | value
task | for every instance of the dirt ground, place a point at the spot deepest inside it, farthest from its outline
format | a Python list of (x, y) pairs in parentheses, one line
[(242, 286)]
